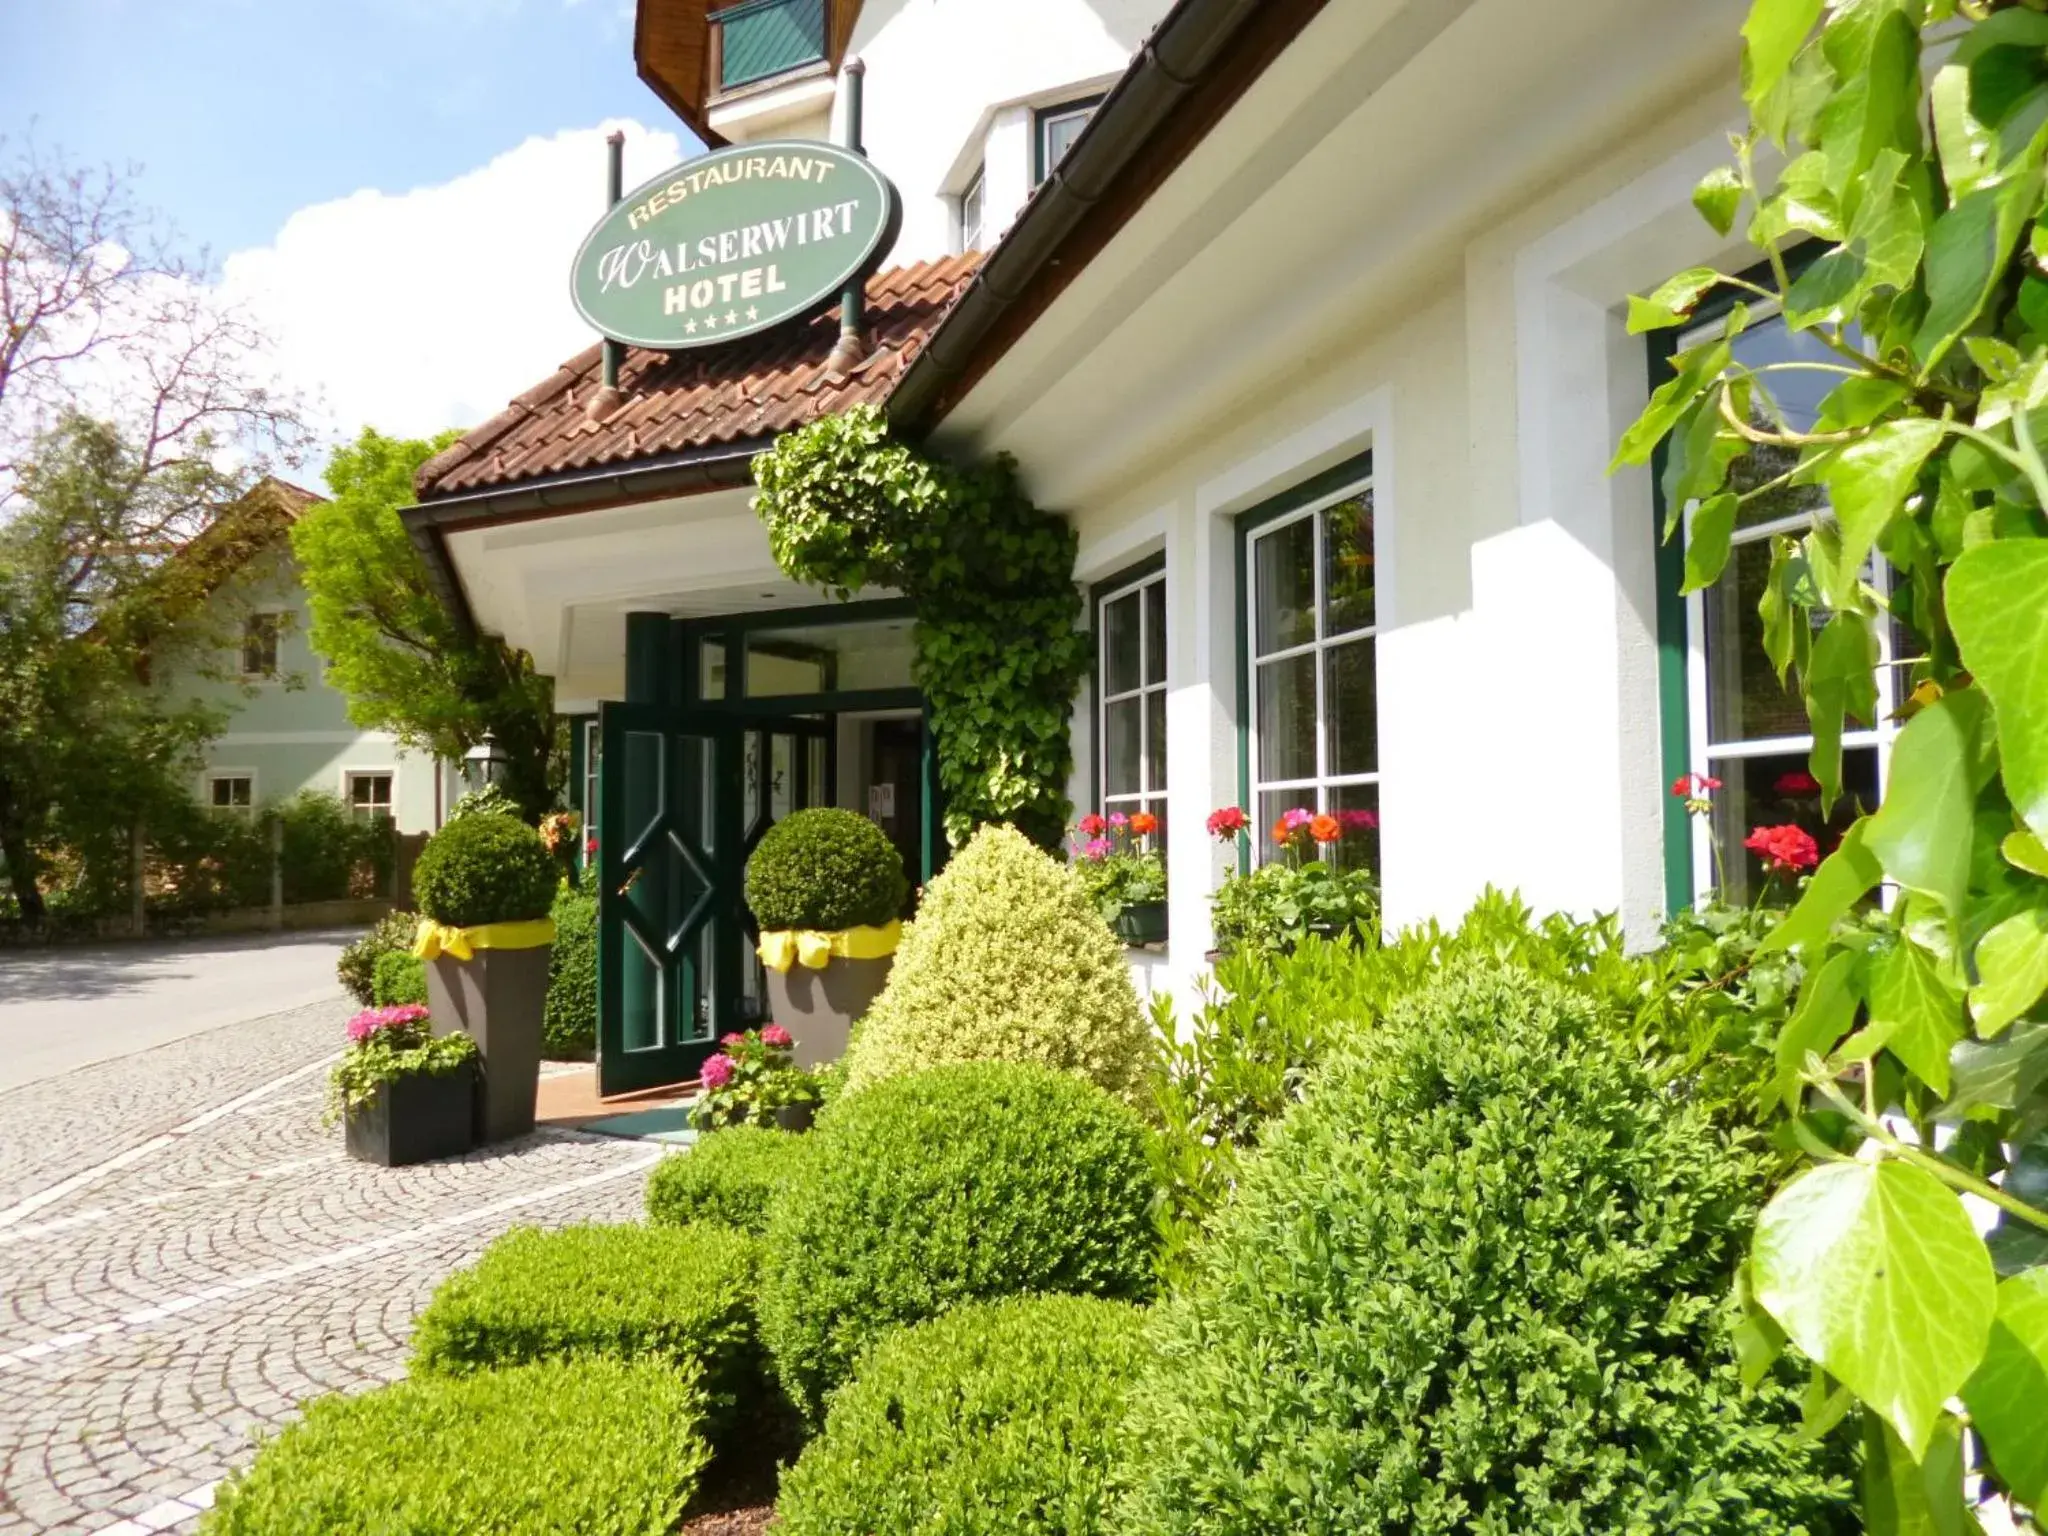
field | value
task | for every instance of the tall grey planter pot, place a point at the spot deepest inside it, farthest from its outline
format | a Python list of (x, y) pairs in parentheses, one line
[(497, 998), (819, 1008)]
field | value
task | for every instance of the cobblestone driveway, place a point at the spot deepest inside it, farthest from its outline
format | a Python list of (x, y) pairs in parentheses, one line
[(186, 1258)]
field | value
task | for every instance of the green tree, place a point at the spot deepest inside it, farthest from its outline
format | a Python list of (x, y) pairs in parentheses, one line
[(393, 649), (1913, 1068)]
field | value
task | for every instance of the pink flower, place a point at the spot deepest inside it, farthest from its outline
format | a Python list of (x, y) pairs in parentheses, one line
[(1090, 825), (1119, 820), (590, 844), (373, 1021), (1097, 849), (1297, 818), (1358, 821), (717, 1071), (777, 1036), (733, 1040)]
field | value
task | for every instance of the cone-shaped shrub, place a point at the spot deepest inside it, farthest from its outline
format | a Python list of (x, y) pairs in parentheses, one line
[(1478, 1282), (1006, 961), (964, 1183)]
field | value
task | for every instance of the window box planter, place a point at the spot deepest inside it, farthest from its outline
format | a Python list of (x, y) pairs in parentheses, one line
[(415, 1119), (1142, 923)]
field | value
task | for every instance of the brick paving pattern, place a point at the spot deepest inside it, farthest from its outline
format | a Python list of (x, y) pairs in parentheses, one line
[(162, 1312)]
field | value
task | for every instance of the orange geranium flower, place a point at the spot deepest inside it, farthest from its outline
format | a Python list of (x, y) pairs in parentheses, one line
[(1144, 824), (1324, 829)]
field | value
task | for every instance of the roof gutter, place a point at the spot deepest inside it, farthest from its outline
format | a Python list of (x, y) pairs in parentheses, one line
[(1183, 64), (679, 474)]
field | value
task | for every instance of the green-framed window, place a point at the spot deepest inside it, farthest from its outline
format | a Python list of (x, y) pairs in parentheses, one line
[(1725, 716), (1128, 764), (1308, 677)]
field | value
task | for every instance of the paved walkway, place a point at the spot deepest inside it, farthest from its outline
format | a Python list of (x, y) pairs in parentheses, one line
[(186, 1258), (71, 1005)]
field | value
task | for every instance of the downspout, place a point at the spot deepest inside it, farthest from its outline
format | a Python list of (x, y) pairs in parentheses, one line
[(852, 347)]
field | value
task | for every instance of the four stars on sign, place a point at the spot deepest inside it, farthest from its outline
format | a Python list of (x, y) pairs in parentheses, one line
[(711, 322)]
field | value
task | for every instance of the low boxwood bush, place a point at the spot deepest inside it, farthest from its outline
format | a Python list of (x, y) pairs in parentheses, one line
[(485, 868), (728, 1179), (1006, 961), (569, 1024), (1477, 1282), (964, 1183), (401, 978), (999, 1418), (357, 967), (827, 869), (632, 1292), (597, 1447)]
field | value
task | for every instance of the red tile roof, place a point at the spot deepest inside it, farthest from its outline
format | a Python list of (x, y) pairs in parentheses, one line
[(672, 402)]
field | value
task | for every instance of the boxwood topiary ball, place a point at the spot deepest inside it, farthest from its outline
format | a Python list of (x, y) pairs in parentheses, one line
[(825, 869), (485, 869)]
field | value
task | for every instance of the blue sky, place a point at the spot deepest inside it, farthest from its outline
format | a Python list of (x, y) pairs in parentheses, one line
[(393, 189), (241, 111)]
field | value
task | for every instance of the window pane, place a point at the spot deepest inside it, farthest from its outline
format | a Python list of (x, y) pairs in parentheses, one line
[(971, 203), (1287, 718), (1357, 809), (1284, 586), (1060, 133), (711, 670), (1745, 700), (1121, 722), (1776, 791), (1348, 576), (1758, 467), (1121, 669), (1155, 740), (1350, 696), (1155, 631)]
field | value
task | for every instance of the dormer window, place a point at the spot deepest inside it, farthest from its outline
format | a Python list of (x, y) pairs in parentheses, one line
[(1058, 128)]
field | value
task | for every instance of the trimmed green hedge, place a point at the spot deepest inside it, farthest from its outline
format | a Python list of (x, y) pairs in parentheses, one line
[(357, 967), (1477, 1282), (728, 1179), (632, 1292), (827, 869), (964, 1183), (999, 1419), (401, 977), (569, 1025), (486, 868), (595, 1447)]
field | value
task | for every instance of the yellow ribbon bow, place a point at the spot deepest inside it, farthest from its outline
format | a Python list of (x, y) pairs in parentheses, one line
[(434, 939), (782, 947)]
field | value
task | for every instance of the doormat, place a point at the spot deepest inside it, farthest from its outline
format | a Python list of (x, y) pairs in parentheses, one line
[(671, 1124)]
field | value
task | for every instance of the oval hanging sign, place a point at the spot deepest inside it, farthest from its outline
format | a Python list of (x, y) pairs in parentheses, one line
[(733, 243)]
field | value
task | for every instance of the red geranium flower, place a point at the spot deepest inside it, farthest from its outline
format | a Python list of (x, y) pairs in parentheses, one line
[(1227, 822), (1358, 821), (1787, 847), (1324, 829), (1688, 785), (1797, 782), (1090, 825)]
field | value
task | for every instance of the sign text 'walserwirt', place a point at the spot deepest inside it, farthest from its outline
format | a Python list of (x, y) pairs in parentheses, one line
[(733, 243)]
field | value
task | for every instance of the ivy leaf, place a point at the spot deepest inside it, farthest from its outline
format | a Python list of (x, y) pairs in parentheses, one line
[(1874, 50), (1918, 1014), (1875, 1272), (1997, 598), (1706, 549), (1696, 369), (1843, 879), (2012, 964), (1840, 683), (1696, 463), (2008, 1396), (1922, 833), (1672, 303), (1827, 1008), (1868, 482), (1962, 143), (1858, 402), (1967, 252), (1718, 197), (1997, 1074), (2023, 850), (1758, 1339), (1772, 37), (2018, 1246), (1904, 1497)]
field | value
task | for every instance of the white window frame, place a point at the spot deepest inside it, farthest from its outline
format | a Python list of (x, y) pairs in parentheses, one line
[(277, 622), (1705, 753), (974, 194), (593, 740), (1042, 121), (348, 788), (228, 775), (1147, 792), (1324, 781)]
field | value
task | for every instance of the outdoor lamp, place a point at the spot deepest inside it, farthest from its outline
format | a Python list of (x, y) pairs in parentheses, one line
[(484, 763)]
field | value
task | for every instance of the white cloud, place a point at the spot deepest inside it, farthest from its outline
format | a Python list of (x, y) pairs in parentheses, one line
[(432, 308)]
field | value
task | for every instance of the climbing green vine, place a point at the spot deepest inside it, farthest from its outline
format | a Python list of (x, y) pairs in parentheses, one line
[(998, 655)]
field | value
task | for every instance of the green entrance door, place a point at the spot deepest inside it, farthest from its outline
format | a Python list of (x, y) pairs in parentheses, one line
[(683, 799)]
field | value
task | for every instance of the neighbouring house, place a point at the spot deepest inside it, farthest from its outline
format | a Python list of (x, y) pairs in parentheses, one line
[(1310, 316), (288, 731)]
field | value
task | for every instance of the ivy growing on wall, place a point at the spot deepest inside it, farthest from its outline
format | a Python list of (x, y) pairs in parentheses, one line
[(998, 656)]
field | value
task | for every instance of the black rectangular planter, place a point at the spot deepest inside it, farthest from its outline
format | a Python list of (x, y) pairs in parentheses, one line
[(415, 1119)]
